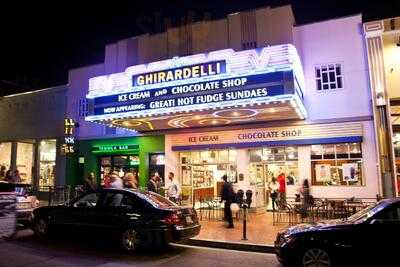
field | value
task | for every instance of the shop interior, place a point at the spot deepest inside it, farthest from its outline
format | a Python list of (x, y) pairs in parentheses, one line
[(201, 172), (25, 159), (121, 164)]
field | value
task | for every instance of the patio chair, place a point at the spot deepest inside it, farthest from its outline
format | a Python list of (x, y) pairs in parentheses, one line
[(339, 210), (282, 214)]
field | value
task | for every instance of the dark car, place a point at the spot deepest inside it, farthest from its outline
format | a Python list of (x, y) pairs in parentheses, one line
[(364, 238), (134, 218)]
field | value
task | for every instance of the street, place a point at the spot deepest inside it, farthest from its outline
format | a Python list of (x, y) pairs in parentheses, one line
[(27, 251)]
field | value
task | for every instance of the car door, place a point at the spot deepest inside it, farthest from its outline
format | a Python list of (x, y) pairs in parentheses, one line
[(79, 214), (119, 210), (385, 226), (380, 232)]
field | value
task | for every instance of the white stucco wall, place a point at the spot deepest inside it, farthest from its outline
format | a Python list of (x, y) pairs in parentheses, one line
[(335, 41)]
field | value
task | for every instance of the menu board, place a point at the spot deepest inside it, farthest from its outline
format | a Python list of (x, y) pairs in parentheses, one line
[(323, 172)]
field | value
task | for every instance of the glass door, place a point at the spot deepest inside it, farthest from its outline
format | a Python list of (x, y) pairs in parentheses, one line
[(257, 178)]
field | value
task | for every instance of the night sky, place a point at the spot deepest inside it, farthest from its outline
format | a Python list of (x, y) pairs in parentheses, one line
[(41, 40)]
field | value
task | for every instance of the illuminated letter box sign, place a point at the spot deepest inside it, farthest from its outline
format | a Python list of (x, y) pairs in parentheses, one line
[(115, 148), (159, 94), (69, 140), (181, 73)]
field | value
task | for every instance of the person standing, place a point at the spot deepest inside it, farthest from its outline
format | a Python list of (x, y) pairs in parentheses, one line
[(130, 181), (305, 192), (106, 180), (274, 189), (282, 187), (89, 183), (2, 173), (152, 185), (116, 181), (16, 179), (9, 176), (174, 188), (291, 179), (227, 195)]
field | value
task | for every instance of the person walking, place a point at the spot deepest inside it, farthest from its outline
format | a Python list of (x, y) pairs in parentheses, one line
[(274, 189), (174, 188), (227, 195)]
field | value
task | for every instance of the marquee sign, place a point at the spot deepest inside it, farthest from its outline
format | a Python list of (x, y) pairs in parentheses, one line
[(232, 89), (170, 93)]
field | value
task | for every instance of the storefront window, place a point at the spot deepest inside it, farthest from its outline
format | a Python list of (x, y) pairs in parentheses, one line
[(316, 152), (267, 163), (342, 167), (25, 162), (5, 159), (47, 152)]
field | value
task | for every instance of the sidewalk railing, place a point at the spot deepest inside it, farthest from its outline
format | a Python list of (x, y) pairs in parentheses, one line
[(55, 195)]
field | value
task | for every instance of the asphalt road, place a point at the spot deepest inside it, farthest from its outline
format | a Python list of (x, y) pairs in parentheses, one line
[(66, 252)]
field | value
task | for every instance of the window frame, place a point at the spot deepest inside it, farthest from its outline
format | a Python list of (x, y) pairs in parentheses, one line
[(319, 80)]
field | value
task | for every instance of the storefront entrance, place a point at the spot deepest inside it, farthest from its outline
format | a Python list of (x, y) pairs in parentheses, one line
[(269, 163), (121, 164)]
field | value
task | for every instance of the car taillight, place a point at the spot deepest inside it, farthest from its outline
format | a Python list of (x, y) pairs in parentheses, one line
[(172, 219)]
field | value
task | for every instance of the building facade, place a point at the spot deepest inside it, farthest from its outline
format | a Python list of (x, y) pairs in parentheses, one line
[(251, 94), (383, 48), (31, 133)]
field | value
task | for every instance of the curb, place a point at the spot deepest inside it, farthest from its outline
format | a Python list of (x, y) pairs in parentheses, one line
[(231, 245)]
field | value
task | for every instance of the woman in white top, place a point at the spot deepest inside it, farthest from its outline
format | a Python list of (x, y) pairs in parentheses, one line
[(273, 187)]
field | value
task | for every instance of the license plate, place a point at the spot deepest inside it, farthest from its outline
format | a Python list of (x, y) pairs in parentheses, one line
[(189, 220)]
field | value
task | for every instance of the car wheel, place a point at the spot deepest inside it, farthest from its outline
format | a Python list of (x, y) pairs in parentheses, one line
[(130, 240), (41, 228), (316, 257)]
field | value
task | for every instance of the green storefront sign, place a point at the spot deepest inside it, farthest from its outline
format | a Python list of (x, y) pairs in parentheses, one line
[(115, 148), (137, 148)]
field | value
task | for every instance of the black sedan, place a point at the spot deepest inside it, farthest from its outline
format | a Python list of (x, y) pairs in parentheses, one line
[(367, 237), (136, 218)]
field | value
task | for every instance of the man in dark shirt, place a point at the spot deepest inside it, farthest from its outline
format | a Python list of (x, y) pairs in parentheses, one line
[(152, 185), (227, 194)]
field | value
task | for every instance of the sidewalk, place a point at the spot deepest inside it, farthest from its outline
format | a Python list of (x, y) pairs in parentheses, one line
[(260, 233)]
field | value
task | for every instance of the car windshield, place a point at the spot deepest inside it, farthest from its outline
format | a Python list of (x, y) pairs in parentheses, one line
[(366, 213), (156, 200)]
